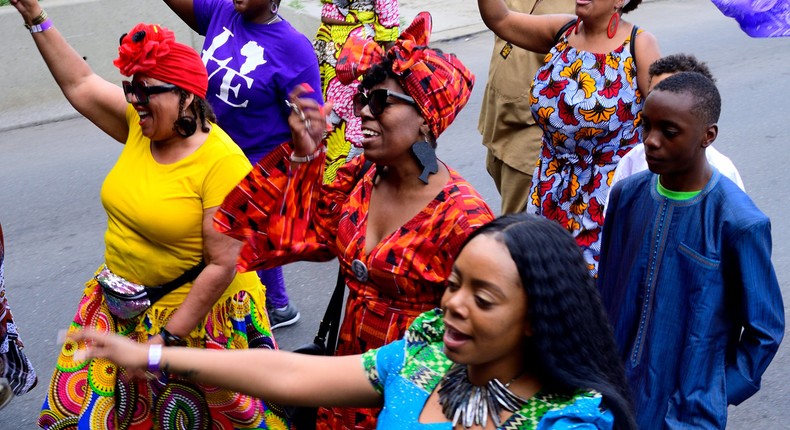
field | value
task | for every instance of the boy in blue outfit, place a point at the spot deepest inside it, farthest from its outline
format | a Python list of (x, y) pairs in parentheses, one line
[(685, 272)]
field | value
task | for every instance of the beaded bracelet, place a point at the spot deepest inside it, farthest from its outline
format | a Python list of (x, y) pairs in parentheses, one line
[(308, 157), (154, 357)]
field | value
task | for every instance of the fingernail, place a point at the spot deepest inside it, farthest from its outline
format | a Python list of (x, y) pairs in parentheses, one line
[(307, 87)]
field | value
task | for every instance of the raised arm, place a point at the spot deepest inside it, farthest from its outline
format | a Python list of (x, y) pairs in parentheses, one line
[(102, 102), (301, 380), (532, 32), (185, 9)]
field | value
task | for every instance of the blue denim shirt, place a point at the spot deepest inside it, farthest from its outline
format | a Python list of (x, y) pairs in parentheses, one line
[(693, 298)]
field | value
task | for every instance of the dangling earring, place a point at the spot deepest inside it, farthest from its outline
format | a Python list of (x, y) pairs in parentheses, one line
[(426, 157), (614, 21), (274, 7), (185, 126)]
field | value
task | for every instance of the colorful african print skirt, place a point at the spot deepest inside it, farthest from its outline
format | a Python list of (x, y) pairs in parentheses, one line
[(97, 394)]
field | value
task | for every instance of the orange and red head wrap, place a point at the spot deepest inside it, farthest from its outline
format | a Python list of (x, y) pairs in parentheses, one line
[(153, 50), (438, 82)]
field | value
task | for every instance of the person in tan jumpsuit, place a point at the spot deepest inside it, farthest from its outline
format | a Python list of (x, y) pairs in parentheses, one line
[(509, 131)]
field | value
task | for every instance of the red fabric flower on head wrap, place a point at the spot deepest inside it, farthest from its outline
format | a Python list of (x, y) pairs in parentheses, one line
[(153, 50), (438, 82)]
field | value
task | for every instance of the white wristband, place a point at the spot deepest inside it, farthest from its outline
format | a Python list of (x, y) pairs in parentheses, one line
[(154, 357)]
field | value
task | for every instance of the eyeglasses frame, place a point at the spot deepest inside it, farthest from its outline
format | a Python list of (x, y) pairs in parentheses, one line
[(131, 87), (403, 97)]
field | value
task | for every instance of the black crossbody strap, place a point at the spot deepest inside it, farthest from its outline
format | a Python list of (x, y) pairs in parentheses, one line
[(157, 293), (562, 31), (330, 323)]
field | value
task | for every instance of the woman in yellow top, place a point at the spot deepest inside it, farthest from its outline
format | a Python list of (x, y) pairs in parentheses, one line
[(160, 197)]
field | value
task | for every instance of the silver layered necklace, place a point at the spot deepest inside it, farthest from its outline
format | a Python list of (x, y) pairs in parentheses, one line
[(468, 404)]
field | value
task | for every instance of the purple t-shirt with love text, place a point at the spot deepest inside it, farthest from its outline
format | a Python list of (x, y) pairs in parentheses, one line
[(252, 68)]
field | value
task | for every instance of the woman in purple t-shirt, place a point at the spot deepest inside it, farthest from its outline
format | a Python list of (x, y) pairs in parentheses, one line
[(254, 59)]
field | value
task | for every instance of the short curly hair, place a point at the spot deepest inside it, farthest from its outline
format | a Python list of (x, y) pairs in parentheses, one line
[(676, 63), (572, 344), (707, 100)]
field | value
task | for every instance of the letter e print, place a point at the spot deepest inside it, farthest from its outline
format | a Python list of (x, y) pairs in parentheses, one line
[(221, 64)]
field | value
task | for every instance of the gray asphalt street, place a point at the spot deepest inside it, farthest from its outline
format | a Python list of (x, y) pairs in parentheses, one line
[(50, 177)]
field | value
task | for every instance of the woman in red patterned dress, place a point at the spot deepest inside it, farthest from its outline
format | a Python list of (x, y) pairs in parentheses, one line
[(397, 228)]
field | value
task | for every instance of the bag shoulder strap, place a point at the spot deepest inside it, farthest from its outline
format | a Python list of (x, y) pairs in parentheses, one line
[(632, 44), (330, 323), (157, 293), (563, 30)]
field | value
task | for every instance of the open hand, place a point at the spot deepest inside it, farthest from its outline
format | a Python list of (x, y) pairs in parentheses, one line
[(119, 349), (307, 121)]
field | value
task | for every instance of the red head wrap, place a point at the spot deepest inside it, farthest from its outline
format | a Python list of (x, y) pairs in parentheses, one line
[(153, 50), (439, 83)]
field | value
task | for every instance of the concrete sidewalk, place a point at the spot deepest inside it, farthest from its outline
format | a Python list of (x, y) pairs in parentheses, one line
[(29, 95)]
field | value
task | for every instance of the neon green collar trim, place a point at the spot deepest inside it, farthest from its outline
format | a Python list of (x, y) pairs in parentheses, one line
[(676, 195)]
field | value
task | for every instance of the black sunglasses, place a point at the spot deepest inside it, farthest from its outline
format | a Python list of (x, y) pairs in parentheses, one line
[(141, 91), (376, 100)]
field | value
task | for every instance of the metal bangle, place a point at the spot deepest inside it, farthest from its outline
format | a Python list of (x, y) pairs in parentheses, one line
[(40, 18), (307, 158)]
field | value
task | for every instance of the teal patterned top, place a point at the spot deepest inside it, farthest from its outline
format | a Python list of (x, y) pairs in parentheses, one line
[(406, 372)]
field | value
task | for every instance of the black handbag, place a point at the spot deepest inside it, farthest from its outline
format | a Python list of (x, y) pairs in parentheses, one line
[(325, 340), (324, 343)]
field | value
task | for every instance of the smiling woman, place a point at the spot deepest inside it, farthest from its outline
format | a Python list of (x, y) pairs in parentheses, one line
[(168, 277), (254, 58), (396, 228)]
